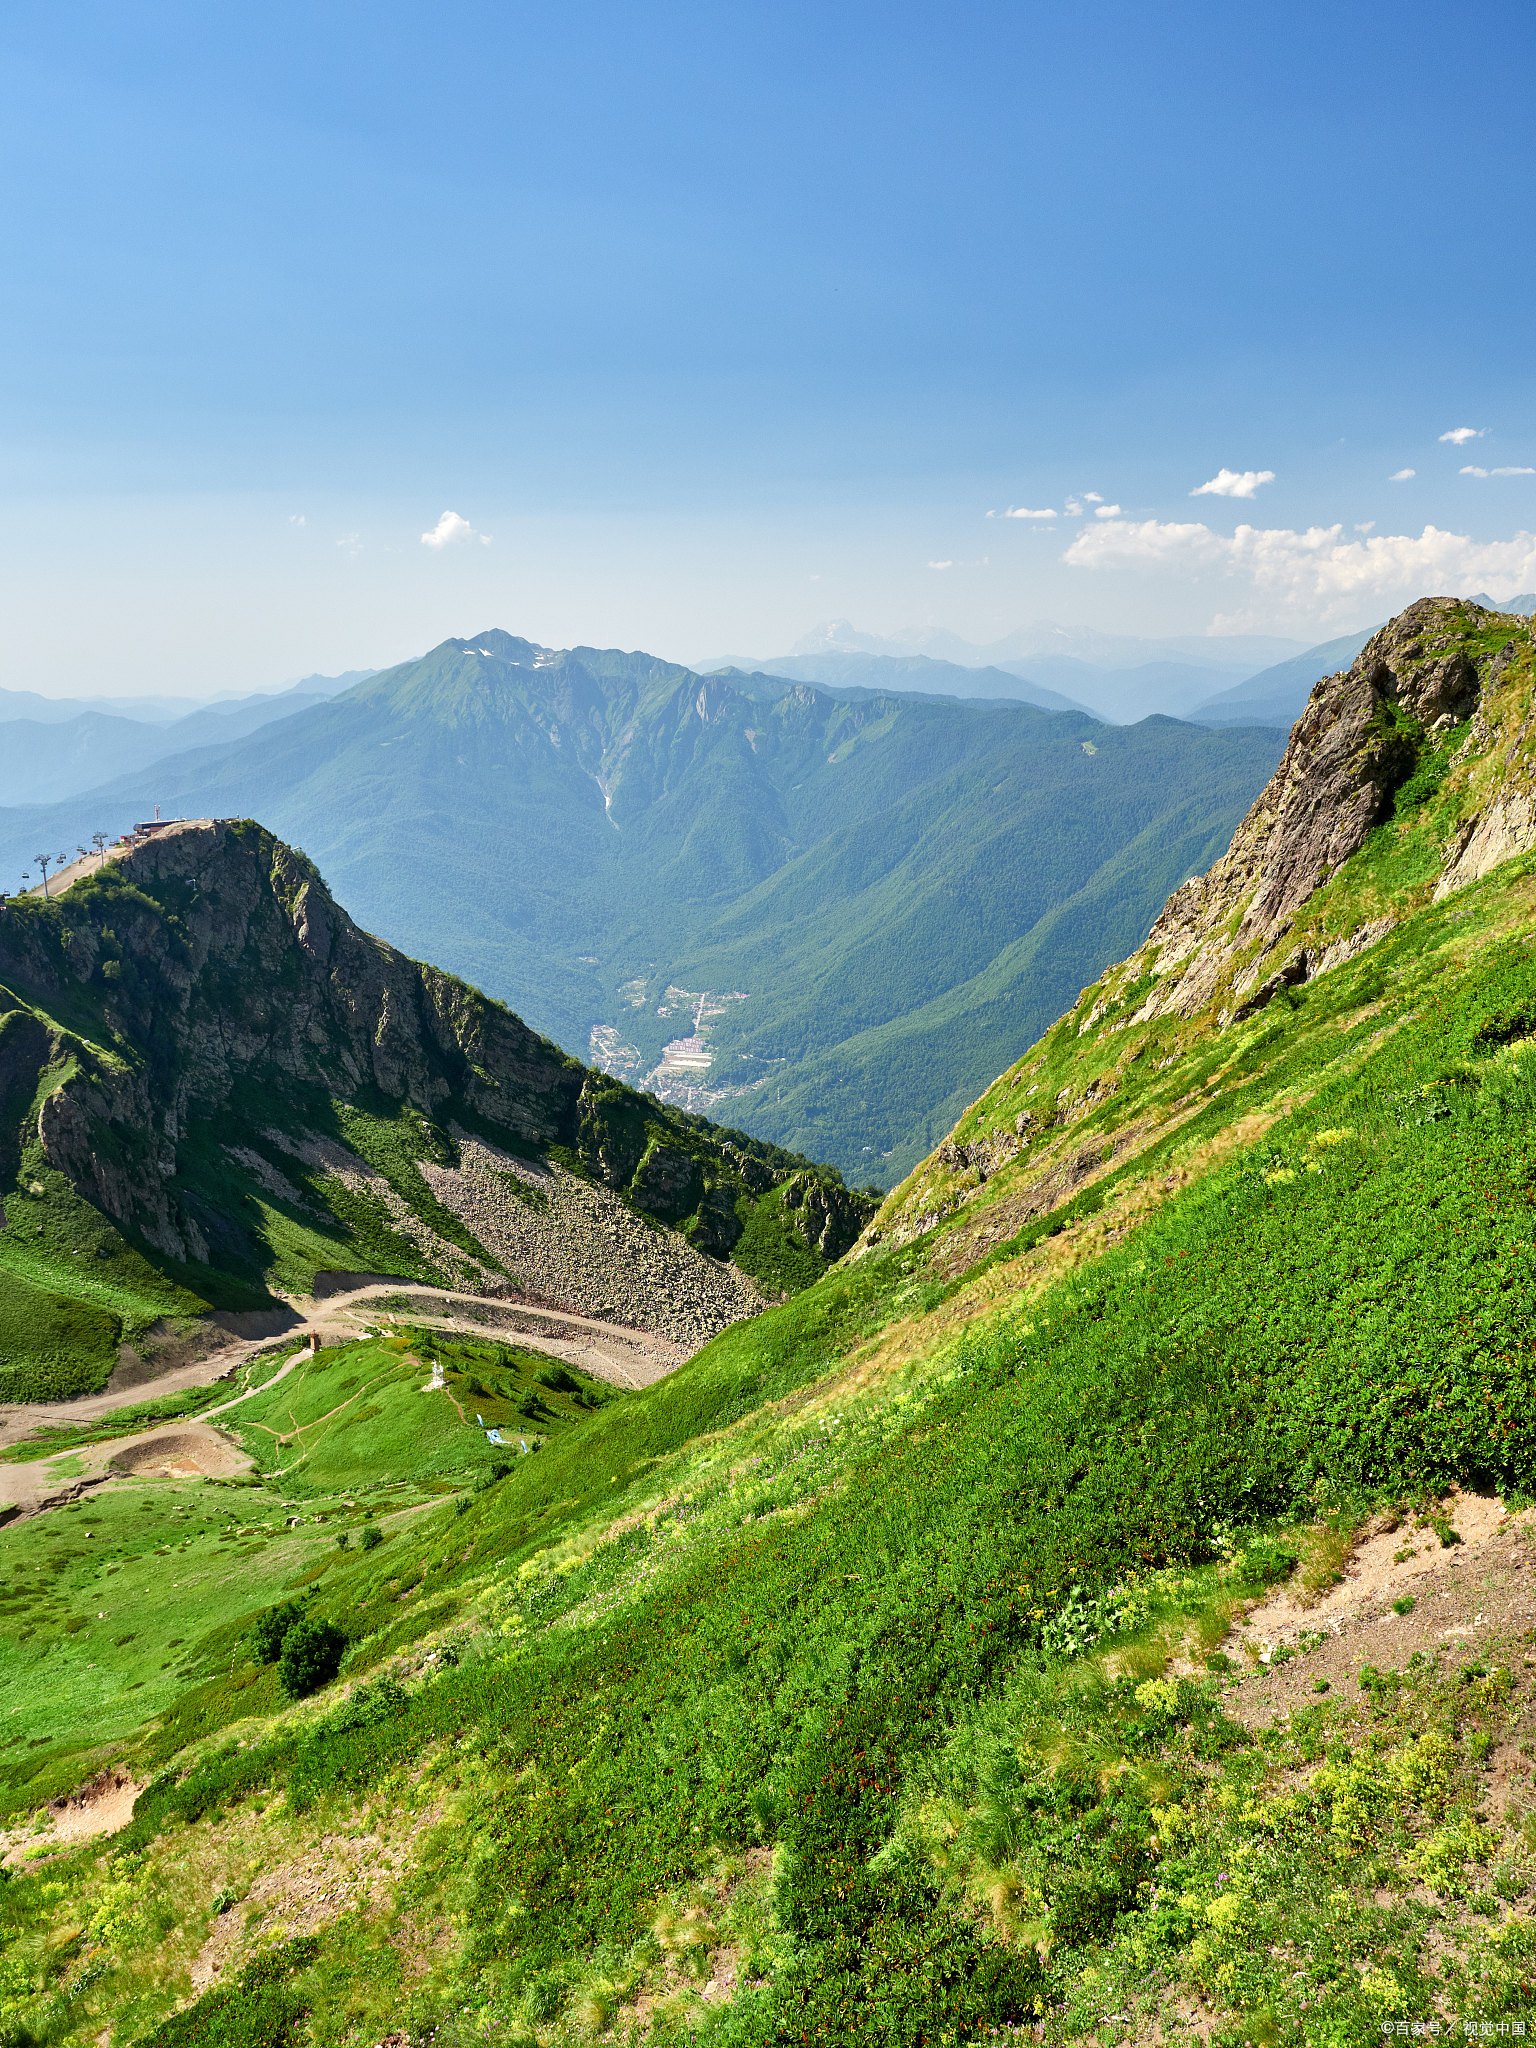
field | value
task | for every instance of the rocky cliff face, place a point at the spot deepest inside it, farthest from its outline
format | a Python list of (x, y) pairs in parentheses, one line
[(1354, 747), (206, 981)]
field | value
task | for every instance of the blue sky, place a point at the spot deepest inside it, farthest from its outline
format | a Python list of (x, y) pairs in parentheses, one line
[(709, 323)]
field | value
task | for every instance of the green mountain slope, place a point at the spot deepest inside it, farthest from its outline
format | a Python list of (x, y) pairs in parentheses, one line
[(621, 848), (874, 1677), (214, 1086)]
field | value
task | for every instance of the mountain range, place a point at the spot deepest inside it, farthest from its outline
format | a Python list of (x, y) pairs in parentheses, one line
[(1118, 678), (825, 915), (843, 669), (55, 747), (1097, 1608)]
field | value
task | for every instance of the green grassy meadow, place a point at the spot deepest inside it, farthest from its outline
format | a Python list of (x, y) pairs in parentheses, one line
[(364, 1415), (115, 1605)]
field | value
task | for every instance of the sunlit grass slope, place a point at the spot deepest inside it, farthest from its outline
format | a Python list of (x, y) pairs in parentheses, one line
[(805, 1602), (856, 1684), (117, 1602)]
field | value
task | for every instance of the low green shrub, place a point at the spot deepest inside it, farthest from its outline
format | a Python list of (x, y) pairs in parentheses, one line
[(1263, 1562), (262, 2008)]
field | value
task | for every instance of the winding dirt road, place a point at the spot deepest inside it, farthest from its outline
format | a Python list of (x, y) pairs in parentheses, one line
[(624, 1357)]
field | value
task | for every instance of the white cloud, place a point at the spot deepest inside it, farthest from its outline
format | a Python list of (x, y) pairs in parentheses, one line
[(450, 530), (1402, 476), (1026, 512), (352, 542), (1459, 436), (296, 519), (1505, 469), (1318, 570), (1093, 497), (1074, 508), (1233, 483), (1107, 512), (941, 565)]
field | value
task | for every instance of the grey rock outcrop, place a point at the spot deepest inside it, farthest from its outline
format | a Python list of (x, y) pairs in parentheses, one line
[(1349, 752)]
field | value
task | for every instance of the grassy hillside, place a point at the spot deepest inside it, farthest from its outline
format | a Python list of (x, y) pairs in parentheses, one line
[(116, 1603), (874, 1678), (603, 839)]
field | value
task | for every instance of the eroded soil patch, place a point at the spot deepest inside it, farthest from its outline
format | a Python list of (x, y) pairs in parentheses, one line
[(1403, 1590)]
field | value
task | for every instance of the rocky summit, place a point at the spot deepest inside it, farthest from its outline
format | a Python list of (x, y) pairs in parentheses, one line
[(1408, 775)]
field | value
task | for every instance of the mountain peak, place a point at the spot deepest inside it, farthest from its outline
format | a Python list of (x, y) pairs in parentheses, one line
[(502, 645), (1409, 775), (1397, 715)]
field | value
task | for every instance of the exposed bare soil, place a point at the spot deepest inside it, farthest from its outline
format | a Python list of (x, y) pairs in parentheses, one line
[(342, 1873), (100, 1807), (1473, 1597), (187, 1451)]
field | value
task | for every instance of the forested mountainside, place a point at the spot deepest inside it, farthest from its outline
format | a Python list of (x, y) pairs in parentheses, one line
[(214, 1085), (1099, 1609), (828, 919)]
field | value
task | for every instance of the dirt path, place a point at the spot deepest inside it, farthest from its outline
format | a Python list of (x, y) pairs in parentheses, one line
[(186, 1449), (609, 1351), (25, 1419), (176, 1450)]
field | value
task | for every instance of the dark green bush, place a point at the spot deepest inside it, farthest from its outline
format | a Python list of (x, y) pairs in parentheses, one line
[(311, 1657), (260, 2009), (269, 1631), (1263, 1563), (1503, 1027), (371, 1536)]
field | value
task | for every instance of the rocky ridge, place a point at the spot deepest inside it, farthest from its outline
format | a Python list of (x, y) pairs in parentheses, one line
[(1431, 731), (196, 998), (1356, 744)]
